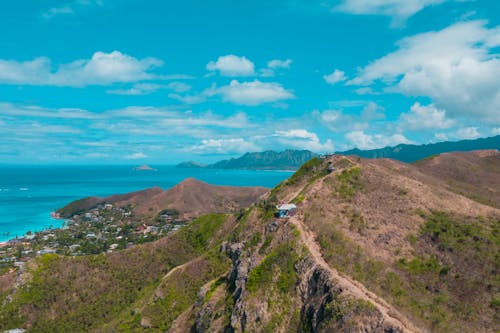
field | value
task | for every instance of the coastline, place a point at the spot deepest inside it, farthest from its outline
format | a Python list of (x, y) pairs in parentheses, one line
[(7, 238), (52, 187)]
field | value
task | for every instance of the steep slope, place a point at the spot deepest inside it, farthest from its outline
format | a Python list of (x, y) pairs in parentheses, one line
[(377, 246), (194, 198), (474, 174), (191, 198), (411, 153), (429, 252)]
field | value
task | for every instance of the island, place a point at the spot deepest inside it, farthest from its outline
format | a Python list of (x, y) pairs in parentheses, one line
[(144, 167)]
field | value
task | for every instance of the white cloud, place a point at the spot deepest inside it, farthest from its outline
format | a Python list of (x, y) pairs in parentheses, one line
[(254, 93), (340, 121), (55, 11), (366, 91), (297, 133), (136, 156), (225, 146), (148, 88), (29, 112), (266, 72), (195, 98), (303, 139), (362, 140), (441, 136), (495, 131), (467, 133), (423, 117), (71, 8), (335, 77), (137, 89), (188, 99), (232, 65), (277, 64), (399, 10), (179, 87), (102, 69), (457, 67)]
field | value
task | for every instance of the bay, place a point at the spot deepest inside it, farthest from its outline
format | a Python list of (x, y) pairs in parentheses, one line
[(28, 194)]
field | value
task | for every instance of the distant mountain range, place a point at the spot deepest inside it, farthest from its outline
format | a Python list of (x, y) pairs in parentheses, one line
[(411, 153), (293, 159), (267, 160)]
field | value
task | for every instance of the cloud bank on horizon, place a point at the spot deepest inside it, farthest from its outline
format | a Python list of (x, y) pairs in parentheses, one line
[(121, 81)]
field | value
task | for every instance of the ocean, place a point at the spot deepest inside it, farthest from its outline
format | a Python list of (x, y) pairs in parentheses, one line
[(28, 194)]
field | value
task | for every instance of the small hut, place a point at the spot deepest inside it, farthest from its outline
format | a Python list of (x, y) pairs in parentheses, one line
[(286, 210)]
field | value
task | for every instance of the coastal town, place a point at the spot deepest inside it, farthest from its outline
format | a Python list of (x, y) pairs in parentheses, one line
[(105, 228)]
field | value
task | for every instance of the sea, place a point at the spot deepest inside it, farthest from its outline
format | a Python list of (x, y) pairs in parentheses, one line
[(28, 194)]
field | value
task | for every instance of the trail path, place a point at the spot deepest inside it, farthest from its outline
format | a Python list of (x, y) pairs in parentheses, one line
[(354, 288)]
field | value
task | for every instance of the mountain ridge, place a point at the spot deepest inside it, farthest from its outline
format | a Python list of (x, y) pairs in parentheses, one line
[(378, 245), (412, 153), (403, 152), (190, 198), (266, 160)]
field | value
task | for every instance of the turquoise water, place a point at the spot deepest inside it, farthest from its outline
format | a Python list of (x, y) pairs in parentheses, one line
[(29, 193)]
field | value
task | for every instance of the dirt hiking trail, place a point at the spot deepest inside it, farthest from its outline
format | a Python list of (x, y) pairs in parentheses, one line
[(352, 287)]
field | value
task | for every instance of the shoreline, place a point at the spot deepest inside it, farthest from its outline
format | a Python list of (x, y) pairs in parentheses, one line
[(33, 210), (12, 238)]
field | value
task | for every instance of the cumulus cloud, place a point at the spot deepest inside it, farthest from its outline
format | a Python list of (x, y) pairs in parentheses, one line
[(225, 146), (102, 69), (55, 11), (467, 133), (340, 121), (441, 136), (178, 86), (136, 156), (70, 8), (362, 140), (335, 77), (399, 10), (424, 117), (457, 67), (277, 63), (303, 139), (495, 131), (137, 89), (273, 66), (232, 65), (254, 93)]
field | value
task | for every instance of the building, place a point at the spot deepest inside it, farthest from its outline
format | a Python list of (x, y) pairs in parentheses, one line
[(46, 250), (286, 210)]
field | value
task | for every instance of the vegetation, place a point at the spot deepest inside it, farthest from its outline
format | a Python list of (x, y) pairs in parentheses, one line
[(451, 277), (348, 182), (86, 292), (308, 169), (278, 266), (344, 313)]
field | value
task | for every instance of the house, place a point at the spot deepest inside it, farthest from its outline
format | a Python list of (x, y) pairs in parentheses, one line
[(151, 229), (46, 250), (330, 168), (286, 210)]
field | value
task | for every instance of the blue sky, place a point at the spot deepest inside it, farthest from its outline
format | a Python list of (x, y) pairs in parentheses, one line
[(128, 81)]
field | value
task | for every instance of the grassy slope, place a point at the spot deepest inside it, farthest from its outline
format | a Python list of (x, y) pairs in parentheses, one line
[(447, 281), (450, 281), (82, 293)]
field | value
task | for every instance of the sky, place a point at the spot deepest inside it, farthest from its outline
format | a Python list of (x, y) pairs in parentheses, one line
[(159, 82)]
